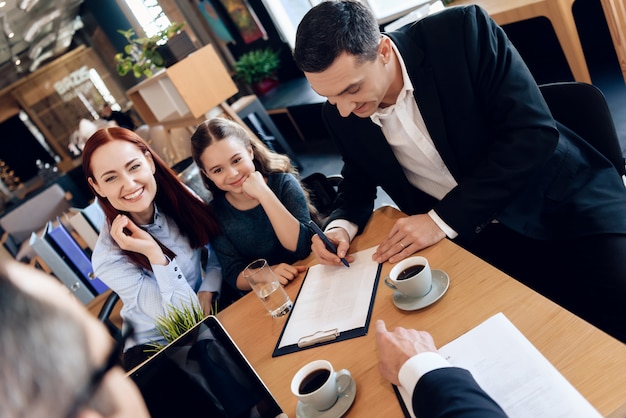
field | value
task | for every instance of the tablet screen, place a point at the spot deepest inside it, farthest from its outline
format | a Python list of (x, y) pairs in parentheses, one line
[(204, 374)]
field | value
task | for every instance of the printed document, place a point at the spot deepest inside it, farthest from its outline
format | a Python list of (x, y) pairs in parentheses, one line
[(333, 297), (514, 373)]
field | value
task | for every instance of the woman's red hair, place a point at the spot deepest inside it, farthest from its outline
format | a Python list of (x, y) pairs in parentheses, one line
[(193, 216)]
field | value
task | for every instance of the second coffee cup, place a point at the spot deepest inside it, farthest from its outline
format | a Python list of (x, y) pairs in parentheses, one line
[(411, 276), (318, 385)]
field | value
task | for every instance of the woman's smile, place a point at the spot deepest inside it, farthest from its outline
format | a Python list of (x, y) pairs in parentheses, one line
[(133, 196)]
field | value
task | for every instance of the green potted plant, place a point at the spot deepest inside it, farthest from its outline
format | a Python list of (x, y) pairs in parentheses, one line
[(142, 56), (178, 321), (257, 68)]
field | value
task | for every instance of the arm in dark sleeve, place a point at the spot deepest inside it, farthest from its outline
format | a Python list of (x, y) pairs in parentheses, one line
[(292, 197), (452, 392), (511, 135), (231, 262), (357, 191)]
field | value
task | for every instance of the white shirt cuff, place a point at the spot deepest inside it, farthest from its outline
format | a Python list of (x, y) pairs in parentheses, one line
[(417, 366), (350, 228), (450, 233)]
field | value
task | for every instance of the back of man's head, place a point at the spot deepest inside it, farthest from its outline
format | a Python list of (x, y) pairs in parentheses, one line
[(332, 28), (43, 356)]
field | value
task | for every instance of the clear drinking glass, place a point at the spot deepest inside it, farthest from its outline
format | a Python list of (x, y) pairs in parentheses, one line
[(267, 287)]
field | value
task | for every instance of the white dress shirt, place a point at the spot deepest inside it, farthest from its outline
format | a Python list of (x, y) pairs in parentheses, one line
[(405, 131), (145, 294), (417, 366)]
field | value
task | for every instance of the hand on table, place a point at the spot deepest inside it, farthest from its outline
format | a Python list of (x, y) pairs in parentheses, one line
[(397, 346), (286, 272), (341, 239), (407, 236)]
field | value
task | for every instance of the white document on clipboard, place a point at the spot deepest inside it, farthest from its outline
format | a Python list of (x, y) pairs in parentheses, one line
[(333, 299)]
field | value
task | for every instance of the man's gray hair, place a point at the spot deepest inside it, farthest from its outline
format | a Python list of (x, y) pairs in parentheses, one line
[(44, 356)]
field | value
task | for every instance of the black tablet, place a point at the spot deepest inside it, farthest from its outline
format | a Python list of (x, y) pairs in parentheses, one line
[(204, 374)]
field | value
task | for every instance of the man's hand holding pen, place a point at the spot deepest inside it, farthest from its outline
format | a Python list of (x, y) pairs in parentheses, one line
[(341, 239)]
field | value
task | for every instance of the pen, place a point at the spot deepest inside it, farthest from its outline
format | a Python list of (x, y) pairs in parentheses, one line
[(329, 245)]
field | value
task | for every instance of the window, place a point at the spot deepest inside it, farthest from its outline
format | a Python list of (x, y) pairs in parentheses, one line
[(149, 15), (287, 14)]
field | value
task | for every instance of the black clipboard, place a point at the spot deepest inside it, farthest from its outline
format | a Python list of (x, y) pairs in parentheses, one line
[(323, 337), (403, 406)]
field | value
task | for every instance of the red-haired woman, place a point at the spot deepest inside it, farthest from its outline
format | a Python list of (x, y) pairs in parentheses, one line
[(150, 246)]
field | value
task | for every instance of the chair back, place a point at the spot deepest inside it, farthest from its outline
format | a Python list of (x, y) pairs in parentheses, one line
[(583, 108), (322, 191), (106, 312)]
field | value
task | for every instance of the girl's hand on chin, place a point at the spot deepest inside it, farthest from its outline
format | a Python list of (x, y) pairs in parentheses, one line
[(255, 185)]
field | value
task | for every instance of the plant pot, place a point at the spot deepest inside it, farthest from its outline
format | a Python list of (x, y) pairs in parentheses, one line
[(262, 87), (176, 48)]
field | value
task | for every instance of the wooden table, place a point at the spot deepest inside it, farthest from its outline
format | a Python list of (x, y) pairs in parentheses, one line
[(592, 361)]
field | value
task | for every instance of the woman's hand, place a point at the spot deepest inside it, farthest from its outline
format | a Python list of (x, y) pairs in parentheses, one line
[(132, 238), (206, 302)]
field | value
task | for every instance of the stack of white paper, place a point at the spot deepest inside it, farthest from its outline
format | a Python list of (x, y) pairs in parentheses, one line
[(514, 373)]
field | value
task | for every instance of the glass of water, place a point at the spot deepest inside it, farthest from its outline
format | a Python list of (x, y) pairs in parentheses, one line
[(267, 287)]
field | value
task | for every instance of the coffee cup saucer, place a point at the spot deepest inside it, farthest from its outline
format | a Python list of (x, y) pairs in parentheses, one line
[(344, 402), (441, 282)]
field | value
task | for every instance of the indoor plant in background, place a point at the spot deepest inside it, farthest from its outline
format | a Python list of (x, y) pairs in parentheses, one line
[(142, 56), (257, 68)]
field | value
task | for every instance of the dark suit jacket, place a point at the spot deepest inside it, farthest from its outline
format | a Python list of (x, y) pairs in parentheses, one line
[(452, 392), (493, 130)]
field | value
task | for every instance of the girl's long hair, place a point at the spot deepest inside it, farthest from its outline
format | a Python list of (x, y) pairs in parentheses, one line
[(266, 161), (193, 217)]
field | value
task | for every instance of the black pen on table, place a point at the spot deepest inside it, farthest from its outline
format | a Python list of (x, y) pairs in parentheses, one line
[(329, 244)]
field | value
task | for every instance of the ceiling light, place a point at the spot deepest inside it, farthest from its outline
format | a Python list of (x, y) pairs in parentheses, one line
[(35, 64), (36, 26), (36, 49), (6, 28), (27, 5), (18, 64)]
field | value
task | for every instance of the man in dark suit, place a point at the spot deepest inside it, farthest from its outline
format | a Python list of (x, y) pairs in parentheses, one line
[(445, 116), (409, 358)]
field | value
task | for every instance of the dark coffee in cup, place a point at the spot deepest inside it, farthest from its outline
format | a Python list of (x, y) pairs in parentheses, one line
[(313, 381), (410, 271)]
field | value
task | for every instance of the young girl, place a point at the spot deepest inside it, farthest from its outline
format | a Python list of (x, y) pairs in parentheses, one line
[(150, 247), (259, 203)]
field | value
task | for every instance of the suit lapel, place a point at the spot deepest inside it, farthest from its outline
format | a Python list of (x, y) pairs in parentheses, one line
[(382, 165)]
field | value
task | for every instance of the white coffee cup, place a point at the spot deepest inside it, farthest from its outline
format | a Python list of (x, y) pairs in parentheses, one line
[(407, 278), (318, 385)]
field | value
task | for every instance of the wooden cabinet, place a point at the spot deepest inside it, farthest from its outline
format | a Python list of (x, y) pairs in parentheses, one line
[(186, 91)]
